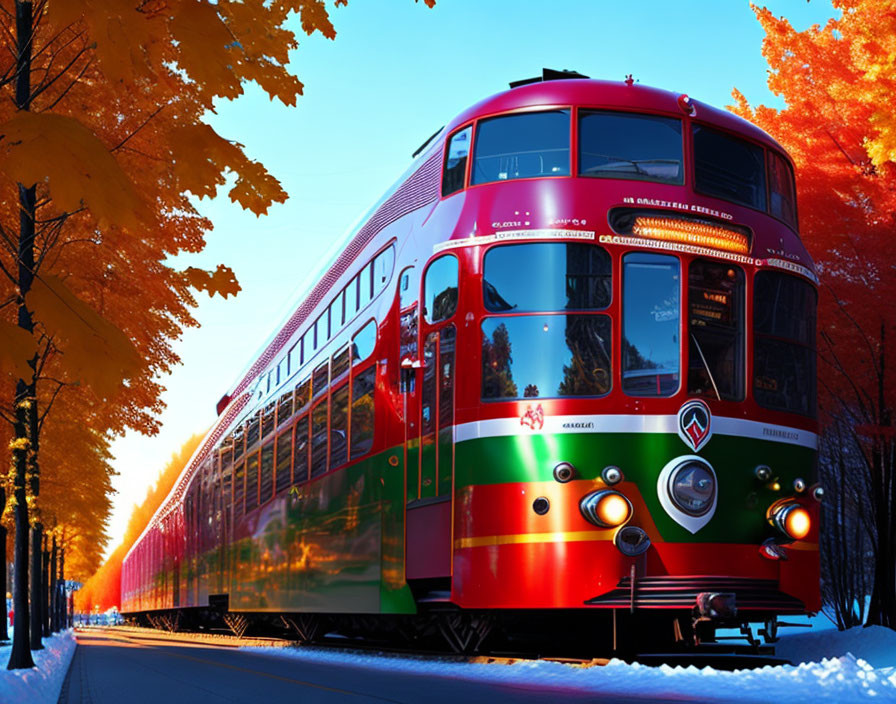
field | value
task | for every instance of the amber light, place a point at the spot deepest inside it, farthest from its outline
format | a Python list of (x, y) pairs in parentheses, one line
[(791, 519), (700, 234)]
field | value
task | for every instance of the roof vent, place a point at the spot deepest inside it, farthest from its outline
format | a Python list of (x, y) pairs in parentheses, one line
[(548, 74)]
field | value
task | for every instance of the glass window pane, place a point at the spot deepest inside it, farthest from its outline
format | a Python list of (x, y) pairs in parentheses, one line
[(252, 430), (284, 459), (650, 324), (446, 408), (525, 145), (267, 419), (456, 161), (321, 378), (784, 307), (407, 288), (351, 299), (294, 360), (365, 290), (364, 342), (266, 483), (782, 191), (336, 315), (339, 427), (341, 363), (430, 386), (319, 440), (729, 167), (440, 289), (382, 269), (300, 455), (284, 407), (251, 481), (544, 356), (362, 411), (570, 276), (629, 146), (239, 442), (716, 330), (303, 394)]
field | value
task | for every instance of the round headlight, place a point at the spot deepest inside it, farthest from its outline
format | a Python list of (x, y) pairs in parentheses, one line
[(606, 508), (693, 488), (791, 519)]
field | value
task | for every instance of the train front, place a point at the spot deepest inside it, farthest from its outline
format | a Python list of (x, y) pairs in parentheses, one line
[(635, 425)]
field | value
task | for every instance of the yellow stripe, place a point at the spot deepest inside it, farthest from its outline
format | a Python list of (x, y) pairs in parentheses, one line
[(561, 537)]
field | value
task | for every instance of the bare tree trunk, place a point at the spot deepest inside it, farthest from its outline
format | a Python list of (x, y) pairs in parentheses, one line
[(54, 589), (4, 632), (45, 589), (36, 598)]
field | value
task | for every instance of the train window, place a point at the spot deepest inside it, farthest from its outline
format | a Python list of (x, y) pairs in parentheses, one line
[(362, 412), (629, 146), (364, 342), (269, 381), (341, 363), (294, 360), (650, 324), (300, 455), (226, 459), (320, 379), (336, 313), (267, 418), (319, 439), (784, 346), (303, 395), (440, 289), (428, 396), (553, 355), (252, 430), (716, 330), (283, 456), (382, 268), (238, 442), (351, 299), (456, 155), (339, 427), (284, 407), (781, 189), (365, 286), (251, 481), (407, 288), (524, 145), (239, 488), (266, 482), (572, 276), (728, 167), (445, 445), (281, 370)]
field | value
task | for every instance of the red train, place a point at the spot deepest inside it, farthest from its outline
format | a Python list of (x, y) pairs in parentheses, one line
[(564, 369)]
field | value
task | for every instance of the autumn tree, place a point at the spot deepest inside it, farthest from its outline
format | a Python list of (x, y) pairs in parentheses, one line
[(102, 146), (838, 83)]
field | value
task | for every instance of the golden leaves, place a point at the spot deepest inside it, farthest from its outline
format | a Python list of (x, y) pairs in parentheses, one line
[(17, 348), (80, 171), (221, 281), (92, 350)]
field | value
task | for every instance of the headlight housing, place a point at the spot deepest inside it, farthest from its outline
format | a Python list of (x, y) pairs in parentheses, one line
[(606, 508), (692, 488), (791, 519)]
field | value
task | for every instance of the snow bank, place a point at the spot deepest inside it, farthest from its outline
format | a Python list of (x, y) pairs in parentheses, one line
[(820, 677), (42, 683)]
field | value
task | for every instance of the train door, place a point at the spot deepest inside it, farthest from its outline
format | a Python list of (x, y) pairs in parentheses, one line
[(430, 510)]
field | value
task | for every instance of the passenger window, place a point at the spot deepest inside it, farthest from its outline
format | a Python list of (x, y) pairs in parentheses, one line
[(341, 363), (362, 411), (407, 288), (440, 289), (364, 342), (267, 420), (336, 314), (284, 459), (650, 324), (456, 161), (251, 481), (252, 430), (284, 408), (300, 457), (351, 299), (382, 269), (303, 395), (319, 439), (729, 168), (523, 145), (339, 427), (266, 484), (782, 192), (294, 360), (238, 442), (366, 286), (320, 380)]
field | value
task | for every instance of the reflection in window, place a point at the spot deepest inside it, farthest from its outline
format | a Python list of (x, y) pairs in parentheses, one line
[(365, 286), (782, 192), (351, 299), (716, 330), (320, 379), (524, 145), (251, 481), (295, 358), (362, 412), (284, 459), (650, 321), (364, 342), (456, 161), (729, 167), (570, 277), (252, 431), (440, 289), (266, 483), (341, 363), (284, 407), (336, 314), (630, 146), (319, 440), (784, 347), (339, 427), (300, 455), (267, 418), (536, 356), (382, 269)]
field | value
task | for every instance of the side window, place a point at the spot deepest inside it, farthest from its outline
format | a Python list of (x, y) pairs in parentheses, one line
[(339, 427), (300, 455), (456, 155), (284, 408), (366, 286), (303, 395), (294, 361), (351, 299), (440, 289), (364, 342), (267, 418), (781, 189), (284, 459), (252, 430), (341, 364), (320, 380), (407, 288), (251, 481), (319, 439), (266, 484), (382, 269), (362, 412), (336, 319), (239, 489)]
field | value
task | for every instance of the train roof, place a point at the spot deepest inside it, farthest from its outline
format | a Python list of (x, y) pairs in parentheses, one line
[(608, 94)]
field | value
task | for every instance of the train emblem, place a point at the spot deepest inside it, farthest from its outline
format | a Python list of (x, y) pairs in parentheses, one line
[(695, 424)]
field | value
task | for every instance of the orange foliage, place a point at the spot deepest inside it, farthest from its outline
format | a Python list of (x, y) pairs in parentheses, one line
[(103, 589)]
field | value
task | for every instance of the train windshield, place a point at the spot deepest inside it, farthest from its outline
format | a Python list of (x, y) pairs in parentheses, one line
[(630, 146), (536, 356), (546, 276), (729, 168), (524, 145), (784, 347)]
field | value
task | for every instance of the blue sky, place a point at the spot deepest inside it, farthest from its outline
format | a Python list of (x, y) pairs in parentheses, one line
[(396, 72)]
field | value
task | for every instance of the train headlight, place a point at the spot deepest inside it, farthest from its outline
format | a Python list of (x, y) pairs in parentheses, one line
[(791, 519), (606, 508), (693, 488)]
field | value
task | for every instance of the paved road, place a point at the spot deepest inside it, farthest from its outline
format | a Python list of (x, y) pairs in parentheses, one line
[(116, 668)]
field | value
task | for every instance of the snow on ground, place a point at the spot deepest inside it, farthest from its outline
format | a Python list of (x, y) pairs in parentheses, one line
[(856, 665), (42, 683)]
